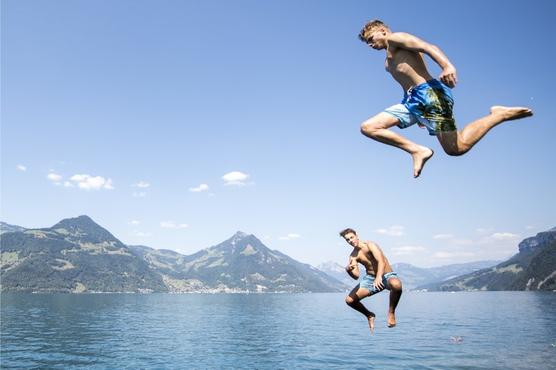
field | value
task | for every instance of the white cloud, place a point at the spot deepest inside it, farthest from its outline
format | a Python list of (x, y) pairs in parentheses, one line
[(530, 227), (504, 236), (394, 230), (88, 182), (134, 222), (172, 225), (139, 194), (200, 188), (443, 236), (235, 178), (463, 241), (54, 177), (141, 184), (448, 255), (21, 167), (290, 236), (68, 184), (408, 249)]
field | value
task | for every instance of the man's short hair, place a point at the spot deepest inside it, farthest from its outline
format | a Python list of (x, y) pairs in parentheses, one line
[(344, 232), (370, 27)]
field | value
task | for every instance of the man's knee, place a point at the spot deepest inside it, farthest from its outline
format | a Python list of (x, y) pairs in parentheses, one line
[(395, 285), (350, 300), (381, 121), (369, 127), (376, 123), (454, 152), (453, 144)]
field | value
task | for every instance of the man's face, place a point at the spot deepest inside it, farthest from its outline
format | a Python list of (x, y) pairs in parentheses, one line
[(377, 39), (352, 239)]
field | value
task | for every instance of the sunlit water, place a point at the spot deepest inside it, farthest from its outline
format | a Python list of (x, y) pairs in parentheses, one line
[(498, 330)]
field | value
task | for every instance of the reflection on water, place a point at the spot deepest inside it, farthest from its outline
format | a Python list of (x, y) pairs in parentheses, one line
[(480, 330)]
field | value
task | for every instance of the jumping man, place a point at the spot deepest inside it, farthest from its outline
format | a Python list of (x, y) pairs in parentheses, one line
[(379, 277), (427, 101)]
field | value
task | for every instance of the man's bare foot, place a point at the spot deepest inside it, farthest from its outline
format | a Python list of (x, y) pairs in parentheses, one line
[(511, 113), (419, 160), (391, 320), (371, 319)]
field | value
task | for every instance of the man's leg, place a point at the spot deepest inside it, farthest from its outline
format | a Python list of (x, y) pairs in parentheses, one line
[(458, 143), (354, 301), (377, 128), (395, 286)]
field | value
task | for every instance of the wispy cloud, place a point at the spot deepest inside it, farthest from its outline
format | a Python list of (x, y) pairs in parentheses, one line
[(504, 236), (290, 236), (235, 178), (200, 188), (408, 249), (21, 167), (142, 234), (141, 184), (443, 236), (394, 230), (449, 255), (134, 222), (172, 225), (88, 182), (54, 178), (139, 194)]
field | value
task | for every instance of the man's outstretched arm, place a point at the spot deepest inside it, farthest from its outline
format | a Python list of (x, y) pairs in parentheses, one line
[(410, 42)]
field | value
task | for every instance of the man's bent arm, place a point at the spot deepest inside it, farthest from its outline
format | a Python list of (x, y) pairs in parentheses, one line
[(353, 268)]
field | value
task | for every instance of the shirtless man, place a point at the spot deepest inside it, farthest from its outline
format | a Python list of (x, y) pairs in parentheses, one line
[(379, 277), (427, 101)]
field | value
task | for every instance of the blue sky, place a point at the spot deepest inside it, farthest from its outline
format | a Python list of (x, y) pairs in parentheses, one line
[(174, 124)]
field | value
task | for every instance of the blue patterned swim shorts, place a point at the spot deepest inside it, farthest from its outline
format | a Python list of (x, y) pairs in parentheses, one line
[(430, 104), (368, 280)]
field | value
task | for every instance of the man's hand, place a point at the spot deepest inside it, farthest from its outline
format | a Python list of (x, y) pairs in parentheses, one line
[(351, 267), (449, 76), (378, 282)]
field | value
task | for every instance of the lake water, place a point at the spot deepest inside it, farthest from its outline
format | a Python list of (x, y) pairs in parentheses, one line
[(499, 330)]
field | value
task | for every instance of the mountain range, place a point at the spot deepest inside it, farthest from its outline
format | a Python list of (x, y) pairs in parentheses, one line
[(77, 255), (532, 268), (410, 275)]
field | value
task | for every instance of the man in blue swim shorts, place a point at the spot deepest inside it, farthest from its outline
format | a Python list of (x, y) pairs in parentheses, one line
[(379, 277), (427, 101)]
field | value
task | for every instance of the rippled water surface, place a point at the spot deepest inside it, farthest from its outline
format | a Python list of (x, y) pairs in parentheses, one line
[(498, 330)]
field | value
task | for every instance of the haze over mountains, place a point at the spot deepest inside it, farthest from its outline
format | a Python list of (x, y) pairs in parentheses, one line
[(532, 268), (77, 255), (413, 276)]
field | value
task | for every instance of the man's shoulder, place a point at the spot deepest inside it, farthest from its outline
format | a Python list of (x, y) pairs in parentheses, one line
[(399, 39), (369, 242), (399, 35)]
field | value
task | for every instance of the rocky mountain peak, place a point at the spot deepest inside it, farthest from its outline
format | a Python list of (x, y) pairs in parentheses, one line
[(537, 241), (239, 235), (84, 227)]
